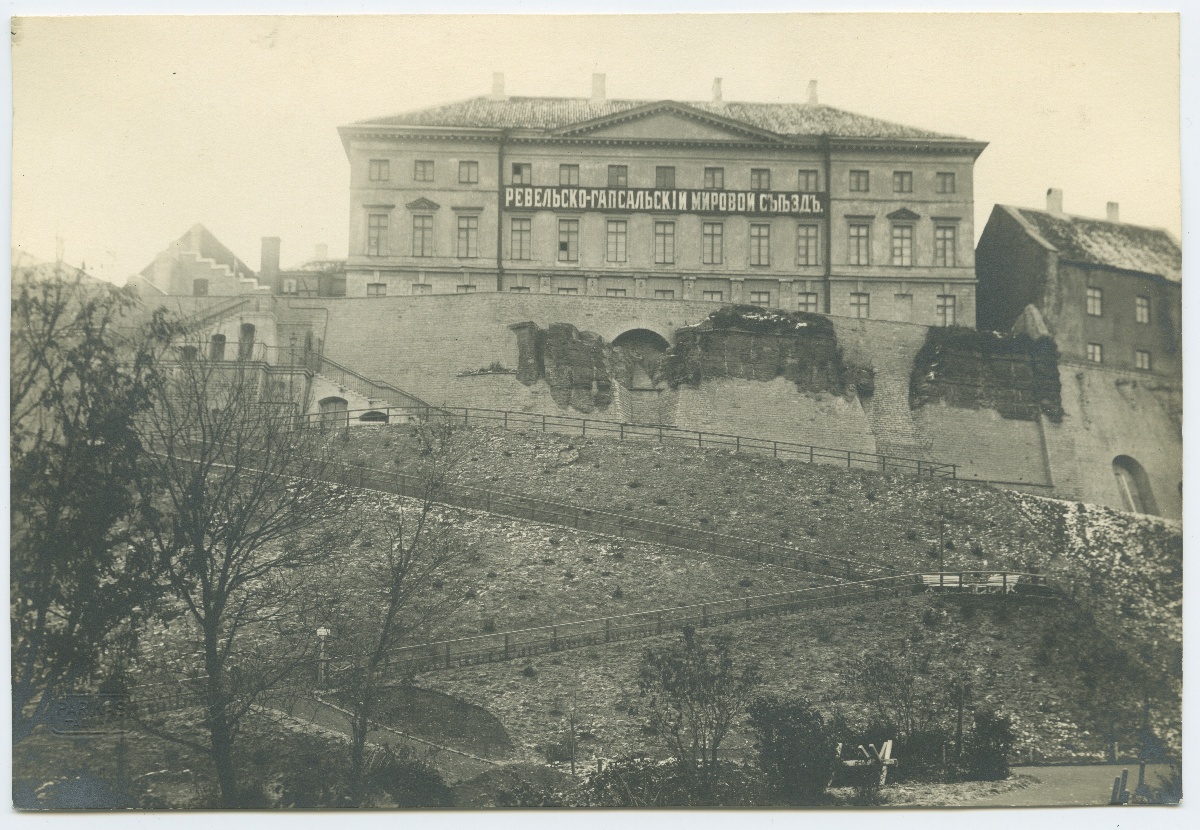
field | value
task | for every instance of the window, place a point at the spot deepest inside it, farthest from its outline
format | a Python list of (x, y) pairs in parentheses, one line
[(468, 172), (568, 174), (860, 244), (377, 289), (760, 178), (422, 240), (807, 182), (664, 243), (1095, 353), (760, 244), (945, 242), (519, 289), (291, 287), (521, 246), (712, 251), (468, 237), (420, 289), (807, 301), (377, 229), (902, 239), (200, 288), (216, 347), (1141, 359), (614, 292), (760, 298), (714, 178), (807, 252), (568, 240), (566, 289), (618, 175), (860, 305), (522, 173), (714, 296), (902, 182), (464, 289), (617, 234), (860, 181), (1095, 302), (664, 178), (378, 170), (246, 342), (1142, 310), (945, 182), (947, 309), (423, 170), (664, 293)]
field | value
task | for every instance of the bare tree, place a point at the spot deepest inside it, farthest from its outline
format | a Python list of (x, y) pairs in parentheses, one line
[(383, 597), (240, 505), (695, 691), (82, 369)]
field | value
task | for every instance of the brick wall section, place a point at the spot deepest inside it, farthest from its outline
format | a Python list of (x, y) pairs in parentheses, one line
[(888, 349), (1110, 413), (775, 411), (987, 446)]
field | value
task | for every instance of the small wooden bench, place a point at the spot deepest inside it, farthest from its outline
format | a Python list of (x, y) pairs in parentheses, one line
[(1001, 584)]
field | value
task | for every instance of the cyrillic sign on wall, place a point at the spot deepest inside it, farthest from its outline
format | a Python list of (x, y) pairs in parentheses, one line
[(748, 202)]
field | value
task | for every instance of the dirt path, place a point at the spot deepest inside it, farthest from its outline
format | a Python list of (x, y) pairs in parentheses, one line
[(1067, 786)]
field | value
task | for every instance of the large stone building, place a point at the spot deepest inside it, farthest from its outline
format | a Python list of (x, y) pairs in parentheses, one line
[(794, 206)]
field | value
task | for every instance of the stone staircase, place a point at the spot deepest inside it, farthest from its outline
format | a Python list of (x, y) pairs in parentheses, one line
[(896, 432)]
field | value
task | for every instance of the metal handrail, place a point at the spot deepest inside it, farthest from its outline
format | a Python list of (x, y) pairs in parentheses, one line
[(662, 433)]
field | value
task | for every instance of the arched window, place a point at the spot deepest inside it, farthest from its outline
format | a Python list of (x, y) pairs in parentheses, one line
[(246, 343), (187, 353), (373, 417), (1134, 485), (216, 347)]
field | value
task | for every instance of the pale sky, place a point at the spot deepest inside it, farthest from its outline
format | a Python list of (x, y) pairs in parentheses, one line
[(127, 131)]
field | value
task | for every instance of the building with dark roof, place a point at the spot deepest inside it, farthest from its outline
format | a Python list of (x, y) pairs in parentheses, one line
[(794, 206), (1107, 291)]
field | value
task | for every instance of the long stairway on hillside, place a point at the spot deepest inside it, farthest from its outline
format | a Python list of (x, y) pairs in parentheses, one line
[(896, 433)]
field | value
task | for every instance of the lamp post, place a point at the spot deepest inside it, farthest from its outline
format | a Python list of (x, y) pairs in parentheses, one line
[(322, 633)]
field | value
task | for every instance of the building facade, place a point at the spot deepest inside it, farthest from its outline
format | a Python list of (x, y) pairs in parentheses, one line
[(1108, 292), (792, 206)]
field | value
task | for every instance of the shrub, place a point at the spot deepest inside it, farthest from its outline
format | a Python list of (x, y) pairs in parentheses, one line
[(489, 626), (530, 672), (633, 485), (986, 747), (797, 751), (642, 782), (618, 594), (824, 632), (745, 582)]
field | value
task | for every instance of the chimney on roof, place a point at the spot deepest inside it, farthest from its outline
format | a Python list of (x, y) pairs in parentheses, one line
[(812, 93), (716, 90), (268, 268), (598, 88), (320, 251), (1114, 212), (498, 87), (1054, 201)]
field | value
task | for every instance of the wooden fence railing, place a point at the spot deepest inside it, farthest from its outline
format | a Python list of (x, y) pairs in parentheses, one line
[(508, 645)]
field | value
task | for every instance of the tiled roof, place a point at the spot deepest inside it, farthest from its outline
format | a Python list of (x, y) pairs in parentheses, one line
[(1113, 244), (555, 113)]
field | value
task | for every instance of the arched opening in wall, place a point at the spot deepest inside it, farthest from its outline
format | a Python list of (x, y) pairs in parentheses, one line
[(334, 412), (373, 417), (646, 349), (199, 288), (216, 347), (246, 342), (1134, 485), (188, 353)]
